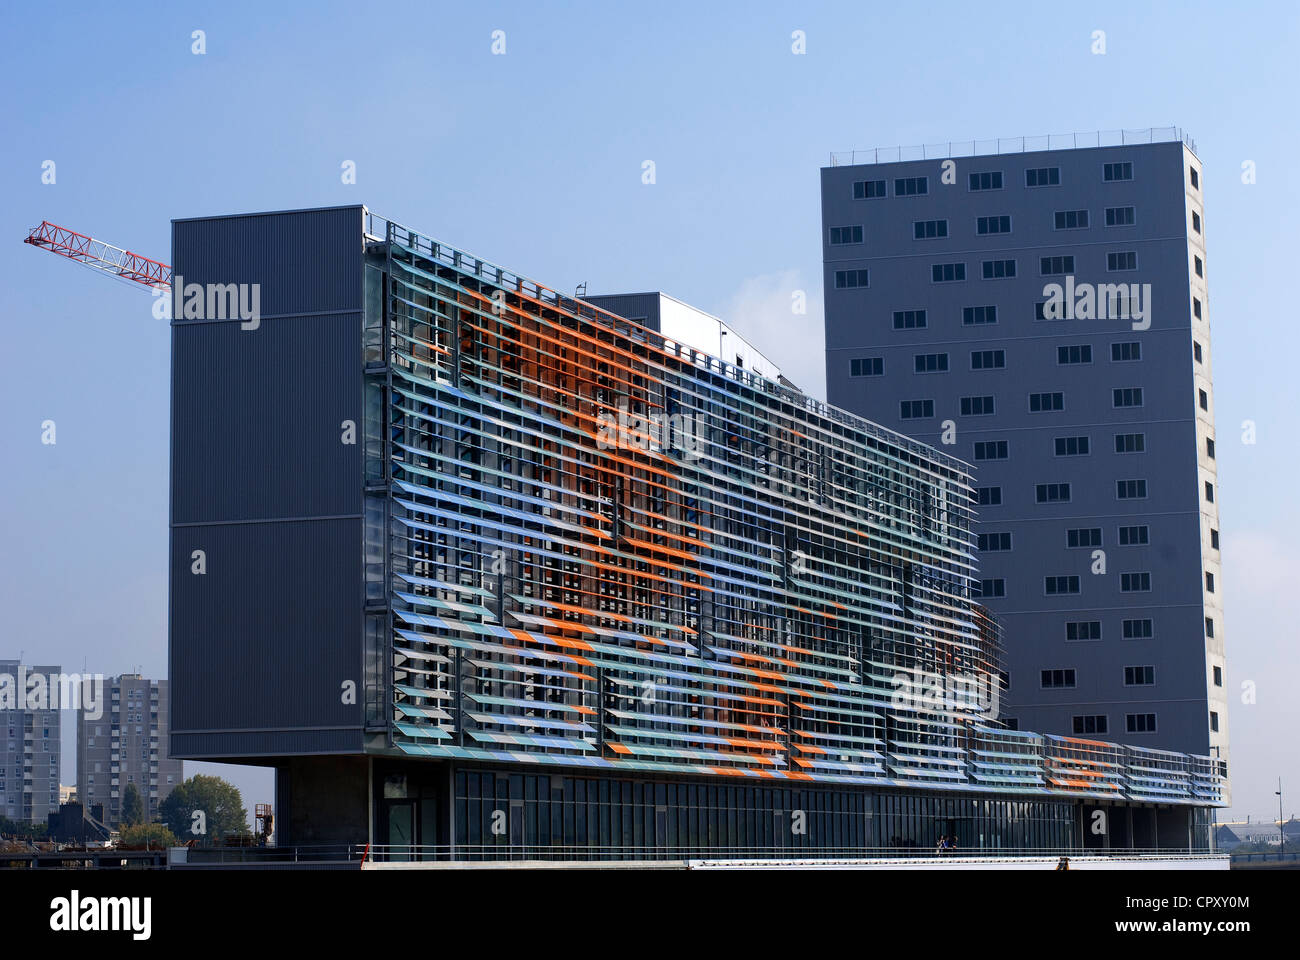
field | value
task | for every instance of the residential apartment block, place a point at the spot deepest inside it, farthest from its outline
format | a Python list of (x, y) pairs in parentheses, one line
[(30, 745), (126, 744)]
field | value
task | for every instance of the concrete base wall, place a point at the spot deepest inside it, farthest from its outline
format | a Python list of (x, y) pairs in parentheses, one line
[(322, 800)]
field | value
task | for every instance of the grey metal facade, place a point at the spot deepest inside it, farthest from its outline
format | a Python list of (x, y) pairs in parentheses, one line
[(267, 484), (966, 376)]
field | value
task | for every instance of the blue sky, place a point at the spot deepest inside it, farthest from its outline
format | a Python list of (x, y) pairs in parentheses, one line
[(533, 159)]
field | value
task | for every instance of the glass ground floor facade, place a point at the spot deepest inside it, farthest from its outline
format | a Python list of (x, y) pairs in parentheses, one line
[(498, 812)]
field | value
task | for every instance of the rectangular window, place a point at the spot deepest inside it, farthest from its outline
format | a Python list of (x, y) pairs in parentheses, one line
[(988, 359), (843, 235), (1055, 266), (1209, 630), (852, 279), (911, 186), (1209, 492), (989, 180), (1091, 723), (1083, 630), (909, 319), (947, 272), (1138, 629), (868, 189), (1043, 177), (931, 362), (1083, 537), (1209, 582), (1139, 676), (1127, 397), (1196, 221), (1138, 536), (993, 542), (929, 229), (1073, 446), (867, 367), (1139, 582), (1130, 442), (993, 588), (990, 449), (1121, 216), (1196, 352), (1218, 676), (1122, 170), (1071, 219), (1214, 539), (1077, 353), (916, 409), (1131, 489), (1046, 402), (990, 225), (1200, 266), (976, 406), (1196, 312), (1203, 399), (1121, 260), (1214, 722), (1140, 722), (973, 316), (1059, 585), (1057, 678), (988, 496), (1196, 177), (998, 269), (1052, 492)]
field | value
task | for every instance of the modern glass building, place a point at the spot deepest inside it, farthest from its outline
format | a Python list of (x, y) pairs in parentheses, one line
[(492, 569)]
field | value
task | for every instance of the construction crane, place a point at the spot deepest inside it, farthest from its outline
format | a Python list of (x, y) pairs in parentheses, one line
[(101, 256)]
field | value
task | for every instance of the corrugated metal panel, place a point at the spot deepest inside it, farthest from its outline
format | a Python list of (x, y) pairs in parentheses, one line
[(257, 743), (257, 419), (267, 636), (641, 307), (300, 259), (263, 641)]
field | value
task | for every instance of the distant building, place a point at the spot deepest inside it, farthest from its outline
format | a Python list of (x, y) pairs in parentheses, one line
[(127, 743), (689, 326), (1236, 832), (30, 751), (72, 823)]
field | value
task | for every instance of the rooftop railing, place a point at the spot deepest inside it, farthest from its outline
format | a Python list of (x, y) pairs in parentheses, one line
[(986, 148)]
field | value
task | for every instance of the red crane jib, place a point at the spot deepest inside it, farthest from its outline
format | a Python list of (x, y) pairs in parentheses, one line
[(100, 255)]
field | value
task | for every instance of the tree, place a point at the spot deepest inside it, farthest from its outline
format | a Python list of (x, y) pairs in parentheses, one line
[(220, 804), (147, 836), (132, 806)]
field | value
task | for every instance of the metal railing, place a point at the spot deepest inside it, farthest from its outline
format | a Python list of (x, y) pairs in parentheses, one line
[(586, 853), (381, 229), (1001, 145)]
